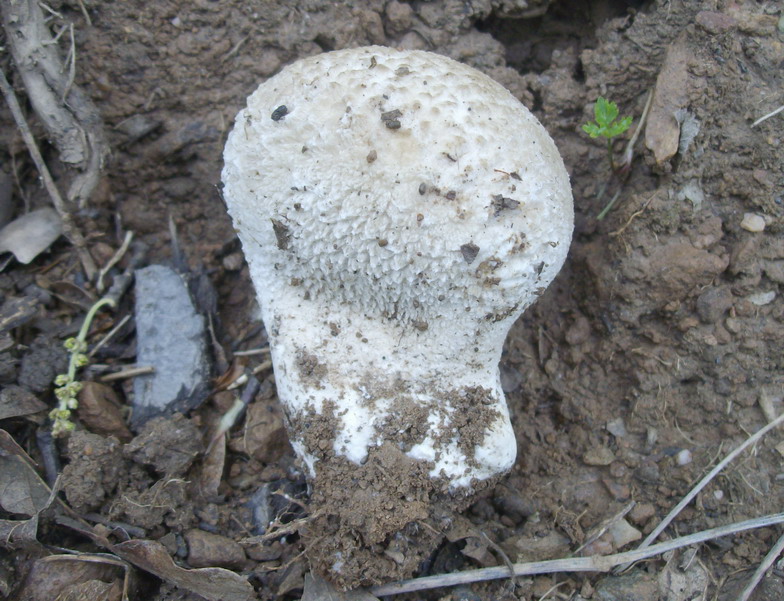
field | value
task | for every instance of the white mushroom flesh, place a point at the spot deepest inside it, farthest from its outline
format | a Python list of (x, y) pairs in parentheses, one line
[(398, 211)]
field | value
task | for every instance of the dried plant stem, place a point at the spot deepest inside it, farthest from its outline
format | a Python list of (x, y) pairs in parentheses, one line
[(768, 116), (770, 558), (704, 482), (597, 563), (69, 228)]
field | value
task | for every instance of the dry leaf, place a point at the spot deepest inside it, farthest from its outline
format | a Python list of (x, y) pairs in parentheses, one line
[(214, 584), (29, 235), (663, 131), (16, 401), (61, 579), (21, 489)]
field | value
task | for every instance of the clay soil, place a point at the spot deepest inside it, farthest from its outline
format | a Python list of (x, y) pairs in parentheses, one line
[(657, 350)]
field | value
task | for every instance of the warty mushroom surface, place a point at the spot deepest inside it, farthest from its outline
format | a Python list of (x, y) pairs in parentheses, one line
[(398, 211)]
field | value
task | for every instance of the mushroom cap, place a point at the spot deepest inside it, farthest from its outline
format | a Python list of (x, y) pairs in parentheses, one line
[(400, 183)]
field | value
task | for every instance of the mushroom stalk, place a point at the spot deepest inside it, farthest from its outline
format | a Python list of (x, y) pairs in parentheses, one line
[(398, 211)]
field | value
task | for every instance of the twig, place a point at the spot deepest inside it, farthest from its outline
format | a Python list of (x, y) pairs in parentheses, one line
[(69, 116), (71, 66), (768, 116), (763, 567), (633, 216), (69, 229), (629, 151), (605, 525), (552, 589), (603, 213), (704, 482), (596, 563), (85, 13), (265, 350), (508, 562), (113, 261), (131, 372), (108, 336)]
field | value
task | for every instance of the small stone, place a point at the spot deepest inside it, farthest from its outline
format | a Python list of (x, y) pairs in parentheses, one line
[(641, 513), (715, 22), (233, 261), (623, 533), (761, 299), (207, 550), (620, 492), (634, 585), (684, 457), (713, 303), (399, 17), (265, 552), (599, 456), (752, 222), (617, 427)]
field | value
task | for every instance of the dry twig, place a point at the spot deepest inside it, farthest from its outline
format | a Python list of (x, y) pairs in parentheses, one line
[(70, 117), (770, 558), (704, 482), (596, 563), (69, 228)]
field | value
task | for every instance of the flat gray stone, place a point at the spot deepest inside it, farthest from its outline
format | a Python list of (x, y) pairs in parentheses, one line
[(171, 338)]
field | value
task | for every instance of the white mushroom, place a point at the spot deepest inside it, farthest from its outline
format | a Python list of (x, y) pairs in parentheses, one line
[(398, 211)]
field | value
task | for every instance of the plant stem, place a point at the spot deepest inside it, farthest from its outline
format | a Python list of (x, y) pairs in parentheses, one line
[(81, 337), (610, 154), (608, 206)]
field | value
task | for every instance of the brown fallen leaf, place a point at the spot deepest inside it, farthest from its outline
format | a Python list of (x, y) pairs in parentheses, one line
[(214, 584), (65, 577), (662, 130), (29, 235), (22, 491), (99, 410), (16, 401)]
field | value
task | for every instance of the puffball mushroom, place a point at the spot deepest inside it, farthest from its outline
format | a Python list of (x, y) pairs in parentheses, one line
[(398, 211)]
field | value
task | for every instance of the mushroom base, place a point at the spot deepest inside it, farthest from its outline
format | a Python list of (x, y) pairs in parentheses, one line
[(377, 522)]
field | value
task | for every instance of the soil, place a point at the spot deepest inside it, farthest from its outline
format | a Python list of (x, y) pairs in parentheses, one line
[(656, 351)]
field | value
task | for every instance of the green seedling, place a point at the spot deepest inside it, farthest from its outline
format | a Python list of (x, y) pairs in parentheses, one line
[(67, 386), (607, 125)]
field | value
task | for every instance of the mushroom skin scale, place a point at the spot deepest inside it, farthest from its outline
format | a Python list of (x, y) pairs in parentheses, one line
[(398, 211)]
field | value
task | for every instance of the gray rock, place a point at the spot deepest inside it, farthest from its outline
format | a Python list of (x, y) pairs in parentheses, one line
[(171, 339), (633, 586), (713, 304)]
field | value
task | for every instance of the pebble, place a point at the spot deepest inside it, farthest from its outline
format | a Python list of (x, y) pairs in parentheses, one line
[(623, 533), (713, 303), (715, 22), (761, 299), (207, 550), (634, 585), (599, 456), (641, 513), (752, 222), (617, 427), (683, 457)]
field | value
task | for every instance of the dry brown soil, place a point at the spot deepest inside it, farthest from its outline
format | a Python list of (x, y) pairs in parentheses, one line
[(656, 351)]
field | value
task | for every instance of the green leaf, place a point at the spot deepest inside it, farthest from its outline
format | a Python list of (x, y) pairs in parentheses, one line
[(592, 130), (605, 111)]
